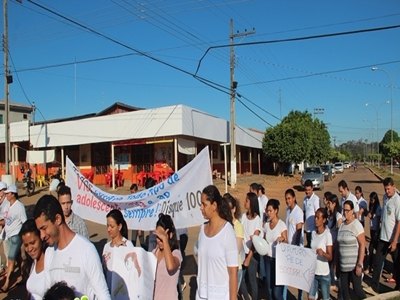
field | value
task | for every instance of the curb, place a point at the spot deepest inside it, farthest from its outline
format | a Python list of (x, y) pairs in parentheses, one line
[(388, 295), (378, 176)]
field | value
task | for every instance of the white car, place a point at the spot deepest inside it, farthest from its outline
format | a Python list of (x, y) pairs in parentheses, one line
[(339, 167), (346, 165)]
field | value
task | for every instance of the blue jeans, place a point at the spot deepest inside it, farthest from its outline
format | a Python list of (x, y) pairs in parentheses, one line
[(322, 282), (274, 292)]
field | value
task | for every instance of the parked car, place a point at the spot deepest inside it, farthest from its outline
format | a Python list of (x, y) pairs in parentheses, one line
[(327, 170), (316, 175), (339, 167), (346, 165)]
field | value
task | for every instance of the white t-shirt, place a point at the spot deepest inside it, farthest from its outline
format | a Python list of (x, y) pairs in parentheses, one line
[(293, 218), (390, 214), (35, 284), (78, 264), (353, 199), (249, 226), (321, 241), (4, 207), (310, 205), (215, 255), (14, 218), (262, 204), (271, 235)]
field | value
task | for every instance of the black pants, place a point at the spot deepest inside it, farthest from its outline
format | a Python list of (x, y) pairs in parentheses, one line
[(344, 289), (381, 251)]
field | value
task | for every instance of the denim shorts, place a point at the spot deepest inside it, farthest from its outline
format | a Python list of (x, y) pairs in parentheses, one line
[(14, 247)]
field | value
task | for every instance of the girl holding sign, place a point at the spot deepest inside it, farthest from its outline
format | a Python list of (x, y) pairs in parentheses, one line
[(275, 232), (119, 258), (169, 259)]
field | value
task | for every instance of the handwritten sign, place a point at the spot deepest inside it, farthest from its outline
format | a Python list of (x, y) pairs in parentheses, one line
[(131, 273), (295, 266), (179, 196)]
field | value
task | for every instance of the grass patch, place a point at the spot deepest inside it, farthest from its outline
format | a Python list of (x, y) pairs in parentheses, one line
[(386, 173)]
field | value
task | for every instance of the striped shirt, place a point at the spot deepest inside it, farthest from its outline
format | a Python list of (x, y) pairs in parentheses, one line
[(348, 244)]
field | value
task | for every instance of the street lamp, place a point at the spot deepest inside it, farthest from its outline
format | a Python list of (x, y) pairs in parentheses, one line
[(377, 126), (391, 111)]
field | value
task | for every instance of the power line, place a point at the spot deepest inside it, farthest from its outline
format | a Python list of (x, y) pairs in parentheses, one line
[(22, 88), (303, 38)]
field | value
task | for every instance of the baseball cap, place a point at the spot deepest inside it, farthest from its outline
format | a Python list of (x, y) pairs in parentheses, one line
[(3, 185), (11, 189)]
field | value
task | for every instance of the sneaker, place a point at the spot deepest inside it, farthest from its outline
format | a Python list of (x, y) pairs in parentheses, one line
[(390, 280), (370, 290)]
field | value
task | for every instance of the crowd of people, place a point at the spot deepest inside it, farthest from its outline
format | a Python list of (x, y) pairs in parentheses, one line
[(333, 229), (53, 251)]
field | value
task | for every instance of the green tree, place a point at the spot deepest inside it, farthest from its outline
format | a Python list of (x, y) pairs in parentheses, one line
[(387, 139), (297, 138)]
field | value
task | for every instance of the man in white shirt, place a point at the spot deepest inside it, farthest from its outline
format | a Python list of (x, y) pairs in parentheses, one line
[(390, 232), (69, 257), (310, 206), (347, 195), (4, 206)]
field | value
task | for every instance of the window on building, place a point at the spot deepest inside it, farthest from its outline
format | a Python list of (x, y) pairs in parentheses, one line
[(25, 116), (1, 119)]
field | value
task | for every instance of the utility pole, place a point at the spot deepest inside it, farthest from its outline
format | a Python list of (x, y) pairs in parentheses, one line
[(233, 86), (7, 81)]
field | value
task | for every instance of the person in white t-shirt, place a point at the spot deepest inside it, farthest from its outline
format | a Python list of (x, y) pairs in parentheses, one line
[(252, 225), (362, 205), (259, 190), (321, 243), (347, 195), (217, 249), (4, 206), (69, 257), (310, 206), (30, 236), (275, 232), (13, 220), (116, 252), (294, 224), (389, 236)]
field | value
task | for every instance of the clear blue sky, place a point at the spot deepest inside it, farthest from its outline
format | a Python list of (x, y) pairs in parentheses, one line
[(274, 76)]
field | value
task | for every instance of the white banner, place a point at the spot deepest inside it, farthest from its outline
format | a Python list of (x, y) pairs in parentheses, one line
[(178, 196), (295, 266)]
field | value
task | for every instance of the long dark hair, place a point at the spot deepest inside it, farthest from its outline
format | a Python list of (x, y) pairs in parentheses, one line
[(166, 222), (116, 214), (254, 207), (233, 204), (212, 194), (334, 199), (29, 226), (373, 202)]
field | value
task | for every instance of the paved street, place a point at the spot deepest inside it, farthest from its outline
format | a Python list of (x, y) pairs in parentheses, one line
[(275, 188)]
